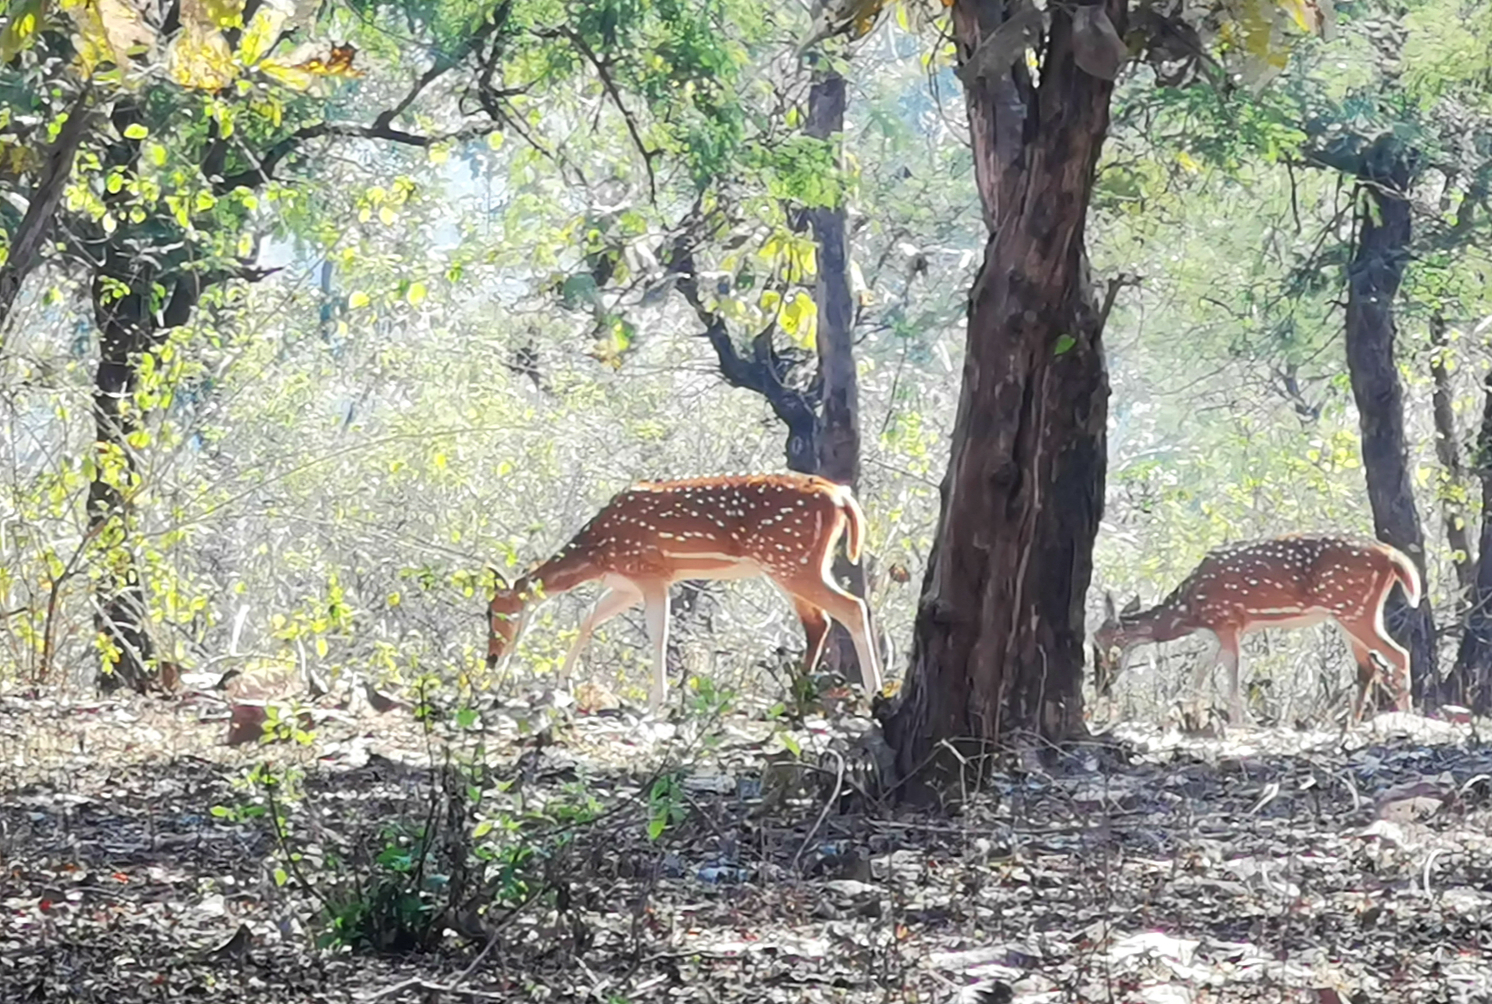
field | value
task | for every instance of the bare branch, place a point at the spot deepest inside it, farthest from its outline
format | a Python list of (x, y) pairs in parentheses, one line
[(382, 126), (647, 155), (762, 371)]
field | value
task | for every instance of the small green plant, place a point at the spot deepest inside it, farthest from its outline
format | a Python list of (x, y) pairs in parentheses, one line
[(667, 805), (266, 793), (709, 700), (396, 902), (287, 723)]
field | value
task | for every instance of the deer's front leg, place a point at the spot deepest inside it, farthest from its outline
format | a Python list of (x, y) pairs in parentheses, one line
[(655, 601), (611, 603), (1227, 654)]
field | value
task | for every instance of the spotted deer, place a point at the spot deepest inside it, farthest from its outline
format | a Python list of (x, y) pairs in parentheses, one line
[(781, 526), (1286, 582)]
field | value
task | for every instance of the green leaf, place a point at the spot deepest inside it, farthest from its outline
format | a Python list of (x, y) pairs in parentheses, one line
[(1064, 345), (135, 131)]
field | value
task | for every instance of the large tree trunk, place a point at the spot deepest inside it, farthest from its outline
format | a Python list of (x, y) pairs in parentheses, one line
[(125, 329), (123, 296), (1452, 493), (1470, 681), (1373, 280), (837, 432), (998, 646)]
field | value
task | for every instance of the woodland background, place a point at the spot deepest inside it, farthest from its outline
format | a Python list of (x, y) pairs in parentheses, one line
[(414, 345), (313, 313)]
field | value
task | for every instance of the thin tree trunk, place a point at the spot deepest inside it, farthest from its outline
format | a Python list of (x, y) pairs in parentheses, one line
[(1470, 680), (35, 228), (837, 431), (998, 645), (1452, 492), (1373, 281)]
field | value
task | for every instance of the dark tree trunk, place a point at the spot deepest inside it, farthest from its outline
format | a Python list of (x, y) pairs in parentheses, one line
[(998, 646), (1452, 492), (1470, 681), (125, 329), (837, 432), (1373, 280), (129, 325)]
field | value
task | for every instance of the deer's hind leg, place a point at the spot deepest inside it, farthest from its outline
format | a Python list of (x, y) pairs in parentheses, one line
[(1369, 638), (1226, 653)]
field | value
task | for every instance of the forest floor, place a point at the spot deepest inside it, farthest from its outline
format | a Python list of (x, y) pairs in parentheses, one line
[(1266, 866)]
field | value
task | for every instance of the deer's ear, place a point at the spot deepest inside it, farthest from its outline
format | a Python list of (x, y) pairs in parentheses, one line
[(1132, 607), (1108, 607)]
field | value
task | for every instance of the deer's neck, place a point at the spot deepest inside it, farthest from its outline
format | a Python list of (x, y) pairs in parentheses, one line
[(568, 570), (1165, 621)]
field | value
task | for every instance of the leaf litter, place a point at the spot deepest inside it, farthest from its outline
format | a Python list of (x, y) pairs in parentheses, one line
[(1148, 867)]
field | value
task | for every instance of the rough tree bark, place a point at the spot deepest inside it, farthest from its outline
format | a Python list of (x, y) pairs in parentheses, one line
[(1374, 275), (998, 644), (1470, 681), (837, 430), (123, 292), (1452, 492)]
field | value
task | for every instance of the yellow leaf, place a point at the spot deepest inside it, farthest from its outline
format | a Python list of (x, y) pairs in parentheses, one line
[(357, 298), (199, 56), (799, 319), (109, 31), (262, 30), (417, 293), (25, 22), (1303, 12), (289, 76), (317, 61), (225, 13)]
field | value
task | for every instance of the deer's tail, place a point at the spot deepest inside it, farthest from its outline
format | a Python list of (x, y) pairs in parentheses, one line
[(854, 519), (1407, 575)]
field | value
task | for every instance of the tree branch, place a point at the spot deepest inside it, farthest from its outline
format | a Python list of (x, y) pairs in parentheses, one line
[(382, 126), (263, 172), (41, 210), (647, 155), (760, 372)]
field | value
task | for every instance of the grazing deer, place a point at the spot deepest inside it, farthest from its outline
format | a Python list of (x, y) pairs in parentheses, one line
[(1290, 581), (782, 526)]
